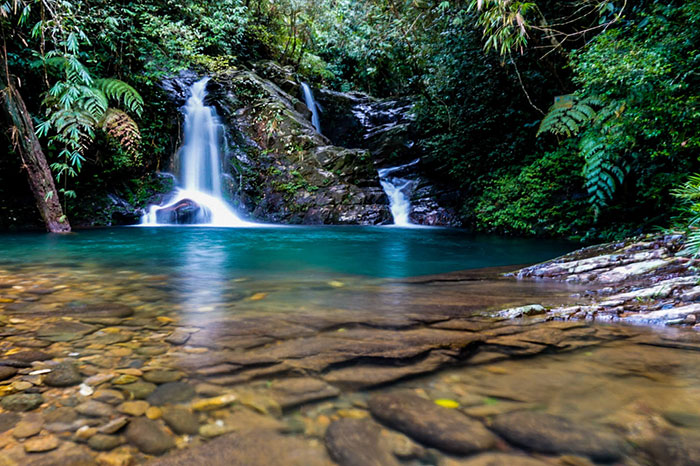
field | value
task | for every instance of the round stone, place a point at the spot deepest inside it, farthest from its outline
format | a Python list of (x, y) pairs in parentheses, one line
[(138, 390), (22, 402), (133, 408), (8, 421), (40, 444), (173, 392), (63, 375), (103, 442), (95, 409), (6, 372), (181, 420), (149, 437), (28, 427)]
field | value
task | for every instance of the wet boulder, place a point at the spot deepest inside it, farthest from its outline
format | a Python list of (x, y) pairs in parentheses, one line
[(184, 212)]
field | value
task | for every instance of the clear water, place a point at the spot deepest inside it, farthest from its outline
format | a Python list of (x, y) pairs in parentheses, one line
[(319, 252), (297, 293)]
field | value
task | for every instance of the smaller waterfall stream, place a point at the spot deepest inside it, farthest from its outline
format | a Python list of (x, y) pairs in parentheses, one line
[(199, 200), (398, 190), (312, 105)]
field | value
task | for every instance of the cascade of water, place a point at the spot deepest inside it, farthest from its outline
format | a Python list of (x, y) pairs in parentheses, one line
[(199, 199), (312, 105), (397, 188)]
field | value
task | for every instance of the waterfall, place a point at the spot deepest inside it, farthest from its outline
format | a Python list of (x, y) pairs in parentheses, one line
[(398, 189), (199, 199), (312, 105)]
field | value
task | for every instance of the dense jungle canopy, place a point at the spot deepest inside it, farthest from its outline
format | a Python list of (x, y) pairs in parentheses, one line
[(569, 118)]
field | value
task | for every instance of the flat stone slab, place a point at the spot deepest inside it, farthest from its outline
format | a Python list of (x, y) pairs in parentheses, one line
[(443, 428), (299, 390), (370, 375), (545, 433), (63, 375), (171, 392)]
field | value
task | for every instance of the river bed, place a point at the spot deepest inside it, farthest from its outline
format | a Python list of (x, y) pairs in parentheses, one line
[(119, 346)]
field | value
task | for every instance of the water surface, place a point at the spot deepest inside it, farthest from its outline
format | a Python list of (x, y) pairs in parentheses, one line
[(303, 251)]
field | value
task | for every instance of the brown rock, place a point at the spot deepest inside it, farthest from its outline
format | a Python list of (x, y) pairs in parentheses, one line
[(443, 428), (357, 442), (40, 444)]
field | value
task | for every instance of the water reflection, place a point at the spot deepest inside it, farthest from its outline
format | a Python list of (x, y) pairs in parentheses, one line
[(200, 279)]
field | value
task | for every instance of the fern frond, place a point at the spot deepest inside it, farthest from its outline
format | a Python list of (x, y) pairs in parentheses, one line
[(118, 125), (569, 116), (93, 101), (603, 170), (122, 93)]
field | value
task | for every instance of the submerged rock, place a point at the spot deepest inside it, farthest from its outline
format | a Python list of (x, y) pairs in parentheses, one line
[(149, 437), (673, 449), (501, 459), (41, 444), (255, 448), (357, 442), (8, 421), (29, 426), (22, 402), (443, 428), (64, 331), (172, 392), (545, 433), (6, 372), (63, 375), (103, 442), (181, 420)]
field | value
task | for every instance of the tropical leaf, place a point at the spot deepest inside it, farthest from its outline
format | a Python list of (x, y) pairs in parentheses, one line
[(122, 93), (568, 116)]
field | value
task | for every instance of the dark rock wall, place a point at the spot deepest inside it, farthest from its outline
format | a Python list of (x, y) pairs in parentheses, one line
[(386, 128)]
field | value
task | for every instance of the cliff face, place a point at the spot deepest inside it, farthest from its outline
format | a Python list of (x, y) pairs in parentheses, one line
[(386, 127), (282, 169)]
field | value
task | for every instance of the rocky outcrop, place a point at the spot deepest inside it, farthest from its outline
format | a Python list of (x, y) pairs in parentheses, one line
[(386, 127), (284, 170), (644, 280)]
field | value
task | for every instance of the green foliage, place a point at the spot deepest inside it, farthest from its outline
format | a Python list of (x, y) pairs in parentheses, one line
[(689, 195), (503, 23), (568, 115), (604, 168), (542, 199), (120, 92)]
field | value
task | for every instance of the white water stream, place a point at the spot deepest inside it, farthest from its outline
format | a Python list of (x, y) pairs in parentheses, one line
[(200, 166), (399, 190), (312, 105)]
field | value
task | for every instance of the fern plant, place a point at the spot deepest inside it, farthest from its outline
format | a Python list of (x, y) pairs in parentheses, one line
[(689, 195), (568, 115), (601, 142), (78, 105)]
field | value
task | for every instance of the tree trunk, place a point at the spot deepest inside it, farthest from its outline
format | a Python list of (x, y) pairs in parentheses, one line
[(33, 160)]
